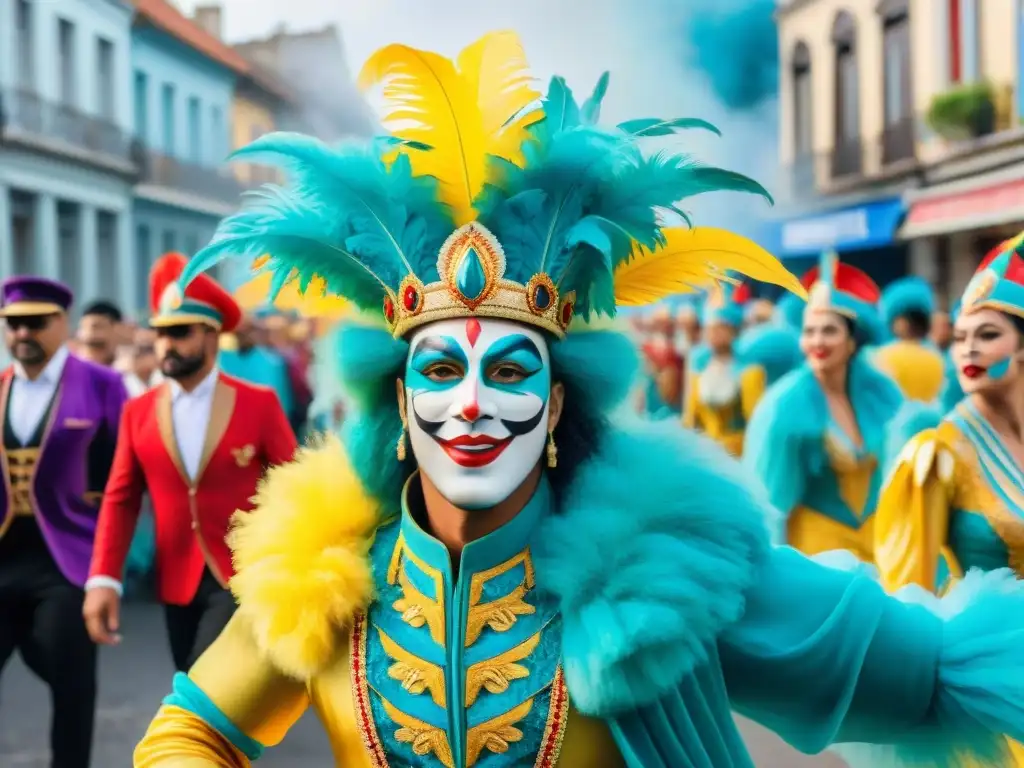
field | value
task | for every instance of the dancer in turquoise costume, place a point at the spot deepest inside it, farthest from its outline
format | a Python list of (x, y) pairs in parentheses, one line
[(818, 439), (492, 568), (955, 499), (907, 306), (773, 347), (723, 389)]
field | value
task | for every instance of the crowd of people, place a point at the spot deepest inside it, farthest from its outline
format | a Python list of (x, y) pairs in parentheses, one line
[(484, 561)]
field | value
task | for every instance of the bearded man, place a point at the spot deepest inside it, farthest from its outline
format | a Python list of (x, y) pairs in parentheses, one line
[(200, 443)]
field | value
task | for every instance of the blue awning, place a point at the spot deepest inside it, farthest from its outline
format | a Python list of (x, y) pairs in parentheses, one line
[(854, 228)]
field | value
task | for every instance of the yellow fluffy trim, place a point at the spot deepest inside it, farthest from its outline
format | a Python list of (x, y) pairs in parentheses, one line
[(302, 569)]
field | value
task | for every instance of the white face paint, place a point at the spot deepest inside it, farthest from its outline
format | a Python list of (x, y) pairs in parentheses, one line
[(477, 397)]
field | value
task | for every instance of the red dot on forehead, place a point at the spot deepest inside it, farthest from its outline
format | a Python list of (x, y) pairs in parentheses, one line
[(472, 330)]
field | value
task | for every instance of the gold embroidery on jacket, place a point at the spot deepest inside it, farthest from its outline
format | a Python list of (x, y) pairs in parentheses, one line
[(415, 674), (500, 615)]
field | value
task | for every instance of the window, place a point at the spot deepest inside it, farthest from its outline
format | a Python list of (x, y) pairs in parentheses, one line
[(168, 241), (141, 102), (962, 18), (216, 135), (143, 260), (802, 108), (191, 244), (69, 242), (847, 112), (194, 133), (106, 252), (23, 232), (23, 39), (105, 78), (896, 58), (167, 100), (66, 54)]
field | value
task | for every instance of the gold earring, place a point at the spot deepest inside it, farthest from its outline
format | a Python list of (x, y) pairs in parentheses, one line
[(400, 448), (552, 451)]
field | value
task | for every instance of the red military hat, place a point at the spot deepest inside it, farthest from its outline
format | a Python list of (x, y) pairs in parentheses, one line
[(202, 301)]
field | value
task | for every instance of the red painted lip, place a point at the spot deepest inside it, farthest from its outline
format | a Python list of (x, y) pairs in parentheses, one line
[(819, 354), (973, 371), (474, 451)]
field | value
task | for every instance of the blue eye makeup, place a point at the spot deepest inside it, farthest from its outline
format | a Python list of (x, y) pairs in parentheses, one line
[(519, 351), (430, 352)]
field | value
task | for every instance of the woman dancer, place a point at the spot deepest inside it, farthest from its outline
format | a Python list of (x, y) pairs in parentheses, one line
[(494, 570), (817, 439)]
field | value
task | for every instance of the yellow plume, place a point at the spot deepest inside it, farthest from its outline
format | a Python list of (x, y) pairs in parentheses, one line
[(694, 259), (463, 111)]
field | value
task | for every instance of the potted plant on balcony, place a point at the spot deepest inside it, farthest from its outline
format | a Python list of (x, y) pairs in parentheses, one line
[(964, 112)]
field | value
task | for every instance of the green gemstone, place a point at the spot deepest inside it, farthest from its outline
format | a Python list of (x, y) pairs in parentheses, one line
[(470, 278)]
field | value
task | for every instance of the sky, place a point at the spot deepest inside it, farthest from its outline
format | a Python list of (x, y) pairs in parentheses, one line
[(667, 58)]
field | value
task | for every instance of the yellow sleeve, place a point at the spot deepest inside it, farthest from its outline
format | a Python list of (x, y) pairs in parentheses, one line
[(753, 382), (912, 519), (691, 401), (238, 696)]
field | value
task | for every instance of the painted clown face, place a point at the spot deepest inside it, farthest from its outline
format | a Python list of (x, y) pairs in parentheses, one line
[(477, 401)]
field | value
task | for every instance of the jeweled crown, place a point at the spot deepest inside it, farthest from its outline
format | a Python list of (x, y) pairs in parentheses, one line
[(473, 283)]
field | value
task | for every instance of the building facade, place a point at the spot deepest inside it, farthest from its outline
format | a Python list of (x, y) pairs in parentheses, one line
[(183, 86), (67, 163), (893, 115)]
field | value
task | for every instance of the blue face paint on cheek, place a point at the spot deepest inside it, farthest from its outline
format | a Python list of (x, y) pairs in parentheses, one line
[(1000, 369)]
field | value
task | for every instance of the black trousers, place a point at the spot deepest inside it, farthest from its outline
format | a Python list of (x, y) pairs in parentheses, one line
[(41, 617), (192, 628)]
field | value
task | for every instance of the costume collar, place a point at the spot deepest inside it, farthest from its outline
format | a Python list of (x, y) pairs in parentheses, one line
[(493, 549), (51, 373)]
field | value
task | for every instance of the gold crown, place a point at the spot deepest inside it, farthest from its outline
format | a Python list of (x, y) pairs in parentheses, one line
[(473, 284)]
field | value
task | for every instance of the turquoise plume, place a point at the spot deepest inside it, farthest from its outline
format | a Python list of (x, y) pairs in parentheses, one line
[(357, 217)]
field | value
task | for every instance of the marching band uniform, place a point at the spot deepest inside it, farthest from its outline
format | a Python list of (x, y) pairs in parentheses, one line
[(200, 455), (825, 486), (721, 393), (59, 432), (634, 601), (914, 364)]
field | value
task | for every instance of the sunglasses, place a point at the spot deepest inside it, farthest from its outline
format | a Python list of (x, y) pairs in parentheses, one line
[(29, 322), (175, 331), (145, 350)]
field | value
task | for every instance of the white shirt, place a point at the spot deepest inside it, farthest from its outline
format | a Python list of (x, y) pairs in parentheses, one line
[(190, 414), (31, 397), (136, 386)]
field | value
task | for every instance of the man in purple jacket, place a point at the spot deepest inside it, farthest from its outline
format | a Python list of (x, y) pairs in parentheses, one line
[(59, 417)]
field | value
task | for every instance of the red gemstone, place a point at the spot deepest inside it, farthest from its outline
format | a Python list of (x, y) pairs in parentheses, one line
[(389, 308), (566, 312), (410, 298)]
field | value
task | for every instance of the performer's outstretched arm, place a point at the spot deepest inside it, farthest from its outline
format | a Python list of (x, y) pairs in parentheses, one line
[(231, 705), (825, 656)]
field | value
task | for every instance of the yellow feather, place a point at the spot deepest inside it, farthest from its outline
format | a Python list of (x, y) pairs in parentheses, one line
[(464, 111), (695, 259)]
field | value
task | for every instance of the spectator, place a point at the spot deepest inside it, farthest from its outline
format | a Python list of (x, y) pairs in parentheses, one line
[(98, 333)]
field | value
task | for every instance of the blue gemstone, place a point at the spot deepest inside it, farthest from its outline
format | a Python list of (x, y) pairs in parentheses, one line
[(470, 278), (541, 297)]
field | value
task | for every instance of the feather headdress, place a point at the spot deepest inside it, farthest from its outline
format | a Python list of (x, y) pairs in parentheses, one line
[(487, 199)]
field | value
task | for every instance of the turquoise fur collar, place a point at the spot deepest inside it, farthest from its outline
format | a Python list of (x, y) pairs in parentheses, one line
[(650, 558)]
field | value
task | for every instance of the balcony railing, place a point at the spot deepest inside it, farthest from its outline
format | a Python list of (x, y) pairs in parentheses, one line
[(899, 141), (164, 171), (847, 158), (25, 117)]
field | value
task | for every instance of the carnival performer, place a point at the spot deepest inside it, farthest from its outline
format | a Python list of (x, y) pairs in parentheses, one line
[(722, 389), (818, 439), (199, 443), (773, 347), (955, 499), (492, 569), (918, 367), (663, 372), (59, 416)]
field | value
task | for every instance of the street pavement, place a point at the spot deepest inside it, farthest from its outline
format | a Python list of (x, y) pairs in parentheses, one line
[(134, 678)]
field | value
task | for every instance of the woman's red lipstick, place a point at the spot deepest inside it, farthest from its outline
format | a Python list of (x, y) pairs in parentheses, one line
[(819, 354), (474, 451), (973, 371)]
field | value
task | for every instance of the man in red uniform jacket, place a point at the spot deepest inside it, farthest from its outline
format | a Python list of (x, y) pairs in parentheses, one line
[(200, 443)]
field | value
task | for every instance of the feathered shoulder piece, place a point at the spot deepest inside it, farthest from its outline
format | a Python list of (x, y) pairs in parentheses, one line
[(487, 199)]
